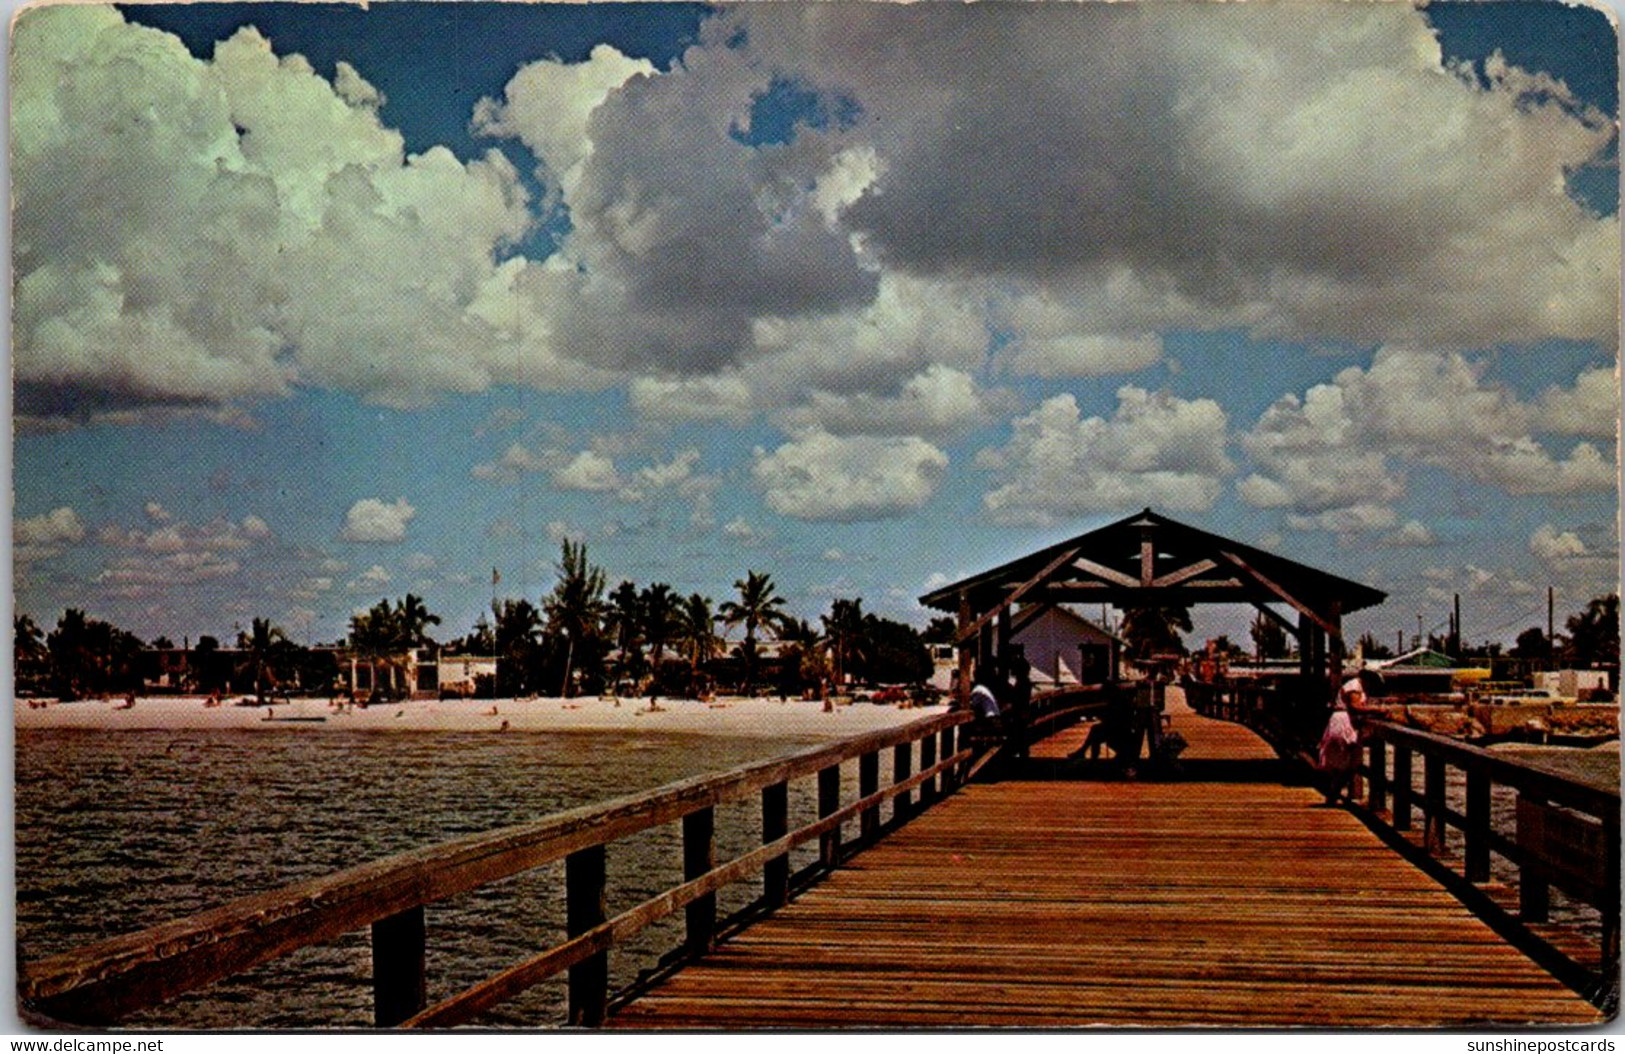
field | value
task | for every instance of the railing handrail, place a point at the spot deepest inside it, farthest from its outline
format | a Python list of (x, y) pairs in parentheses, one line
[(1601, 802), (151, 966), (1390, 800)]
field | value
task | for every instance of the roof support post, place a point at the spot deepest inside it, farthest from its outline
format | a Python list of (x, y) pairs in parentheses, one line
[(962, 689), (1335, 653), (1308, 660)]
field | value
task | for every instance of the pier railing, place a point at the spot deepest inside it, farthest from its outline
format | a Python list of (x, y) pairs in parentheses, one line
[(1553, 831), (109, 980), (1266, 707)]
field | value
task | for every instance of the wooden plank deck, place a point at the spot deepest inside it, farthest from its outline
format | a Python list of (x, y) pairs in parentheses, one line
[(1221, 900)]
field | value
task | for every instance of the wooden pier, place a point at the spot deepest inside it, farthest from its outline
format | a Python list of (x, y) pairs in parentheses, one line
[(955, 887), (1227, 899)]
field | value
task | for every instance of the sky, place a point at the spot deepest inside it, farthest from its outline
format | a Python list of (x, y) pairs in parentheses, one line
[(318, 305)]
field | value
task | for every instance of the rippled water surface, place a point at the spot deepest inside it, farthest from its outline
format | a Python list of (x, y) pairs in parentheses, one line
[(119, 832)]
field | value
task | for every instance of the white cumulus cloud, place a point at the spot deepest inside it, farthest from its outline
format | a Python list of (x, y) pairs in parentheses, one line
[(1155, 449), (374, 520), (46, 535), (192, 232), (818, 476), (1339, 450)]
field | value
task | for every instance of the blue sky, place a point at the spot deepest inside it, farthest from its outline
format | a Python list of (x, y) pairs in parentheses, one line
[(868, 298)]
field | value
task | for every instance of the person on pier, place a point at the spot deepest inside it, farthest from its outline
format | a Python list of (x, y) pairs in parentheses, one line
[(1018, 701), (1340, 744)]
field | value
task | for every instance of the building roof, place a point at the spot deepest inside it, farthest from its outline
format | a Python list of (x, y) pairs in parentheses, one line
[(1424, 658), (1067, 614)]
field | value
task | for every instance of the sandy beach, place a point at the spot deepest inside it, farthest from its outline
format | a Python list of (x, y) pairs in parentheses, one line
[(728, 716)]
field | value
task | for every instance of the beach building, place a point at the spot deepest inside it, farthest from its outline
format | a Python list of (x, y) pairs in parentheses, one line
[(1061, 646), (466, 675), (1573, 684), (413, 673), (207, 668), (1424, 671)]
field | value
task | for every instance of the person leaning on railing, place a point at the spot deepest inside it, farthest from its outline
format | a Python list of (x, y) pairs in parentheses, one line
[(1339, 757)]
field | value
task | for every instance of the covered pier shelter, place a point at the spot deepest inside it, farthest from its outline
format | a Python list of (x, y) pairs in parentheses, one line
[(1149, 560)]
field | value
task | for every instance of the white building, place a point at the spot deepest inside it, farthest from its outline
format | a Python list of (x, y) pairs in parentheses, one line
[(1061, 646)]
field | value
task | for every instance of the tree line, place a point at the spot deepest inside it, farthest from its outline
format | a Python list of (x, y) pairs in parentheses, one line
[(1590, 639), (580, 637), (586, 637)]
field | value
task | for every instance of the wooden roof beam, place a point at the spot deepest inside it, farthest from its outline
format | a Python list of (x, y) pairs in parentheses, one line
[(1278, 618), (1173, 578), (1106, 574), (1280, 592), (970, 632)]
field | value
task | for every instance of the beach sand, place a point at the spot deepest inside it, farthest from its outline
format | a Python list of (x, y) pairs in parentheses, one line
[(728, 716)]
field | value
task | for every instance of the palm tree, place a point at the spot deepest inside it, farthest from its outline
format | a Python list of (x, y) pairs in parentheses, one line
[(89, 655), (659, 620), (514, 640), (843, 629), (1594, 633), (1156, 629), (69, 645), (697, 633), (623, 623), (576, 605), (412, 619), (259, 646), (375, 637), (28, 639), (799, 641), (759, 606)]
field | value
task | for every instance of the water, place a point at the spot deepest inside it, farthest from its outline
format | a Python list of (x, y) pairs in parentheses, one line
[(116, 833)]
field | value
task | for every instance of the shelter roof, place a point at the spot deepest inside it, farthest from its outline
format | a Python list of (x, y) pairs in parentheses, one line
[(1425, 658), (1150, 560)]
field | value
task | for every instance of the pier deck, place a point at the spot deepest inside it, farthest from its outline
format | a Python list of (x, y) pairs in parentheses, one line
[(1222, 899)]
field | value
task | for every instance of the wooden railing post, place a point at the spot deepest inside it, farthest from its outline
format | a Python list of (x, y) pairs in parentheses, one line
[(868, 784), (398, 988), (902, 767), (829, 799), (699, 857), (1402, 787), (1534, 894), (950, 776), (775, 825), (1476, 865), (928, 757), (584, 908), (1433, 803), (1610, 908), (1378, 801)]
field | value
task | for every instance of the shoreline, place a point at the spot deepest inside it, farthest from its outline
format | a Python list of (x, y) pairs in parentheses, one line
[(726, 716)]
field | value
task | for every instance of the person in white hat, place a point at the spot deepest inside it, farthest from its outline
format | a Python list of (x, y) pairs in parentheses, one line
[(1339, 750)]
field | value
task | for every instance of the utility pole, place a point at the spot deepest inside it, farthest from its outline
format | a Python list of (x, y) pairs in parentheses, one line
[(1551, 645), (1456, 627)]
